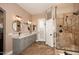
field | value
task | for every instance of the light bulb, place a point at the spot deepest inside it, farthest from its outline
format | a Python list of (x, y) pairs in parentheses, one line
[(18, 18)]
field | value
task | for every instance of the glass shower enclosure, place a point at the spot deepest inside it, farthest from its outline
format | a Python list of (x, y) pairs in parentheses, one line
[(68, 33)]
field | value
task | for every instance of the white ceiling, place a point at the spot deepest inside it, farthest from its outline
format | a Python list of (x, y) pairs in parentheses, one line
[(34, 8)]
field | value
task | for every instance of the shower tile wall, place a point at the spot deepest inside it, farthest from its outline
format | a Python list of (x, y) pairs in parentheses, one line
[(68, 39)]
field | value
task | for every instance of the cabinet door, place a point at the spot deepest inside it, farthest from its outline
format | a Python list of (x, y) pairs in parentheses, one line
[(16, 46), (34, 37), (30, 40), (21, 44), (25, 42)]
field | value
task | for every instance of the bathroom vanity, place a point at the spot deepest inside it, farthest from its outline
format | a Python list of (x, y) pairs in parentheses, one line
[(23, 42)]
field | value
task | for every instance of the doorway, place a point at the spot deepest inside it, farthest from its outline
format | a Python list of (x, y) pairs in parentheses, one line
[(2, 31)]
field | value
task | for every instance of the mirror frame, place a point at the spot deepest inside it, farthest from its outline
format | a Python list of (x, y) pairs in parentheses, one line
[(16, 25)]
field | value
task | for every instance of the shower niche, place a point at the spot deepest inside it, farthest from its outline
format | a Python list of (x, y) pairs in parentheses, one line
[(68, 32)]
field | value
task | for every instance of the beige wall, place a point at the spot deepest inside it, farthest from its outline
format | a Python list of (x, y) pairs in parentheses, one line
[(35, 18), (11, 11)]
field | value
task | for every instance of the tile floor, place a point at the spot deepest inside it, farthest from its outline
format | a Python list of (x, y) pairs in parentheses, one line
[(38, 49), (42, 49)]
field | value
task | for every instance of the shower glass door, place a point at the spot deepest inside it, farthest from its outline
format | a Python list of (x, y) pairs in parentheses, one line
[(68, 34)]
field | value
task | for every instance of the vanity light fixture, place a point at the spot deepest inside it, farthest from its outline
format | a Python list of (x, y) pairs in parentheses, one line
[(18, 18), (29, 22)]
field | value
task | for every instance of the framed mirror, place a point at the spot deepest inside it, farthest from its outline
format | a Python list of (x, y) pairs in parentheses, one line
[(16, 26)]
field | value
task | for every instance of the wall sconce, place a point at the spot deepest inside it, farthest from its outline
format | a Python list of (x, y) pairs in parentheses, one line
[(18, 18), (29, 22)]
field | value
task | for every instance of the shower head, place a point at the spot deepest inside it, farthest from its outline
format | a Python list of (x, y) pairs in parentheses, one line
[(1, 11), (76, 13)]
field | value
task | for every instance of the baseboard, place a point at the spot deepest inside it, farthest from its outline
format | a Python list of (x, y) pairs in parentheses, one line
[(9, 53)]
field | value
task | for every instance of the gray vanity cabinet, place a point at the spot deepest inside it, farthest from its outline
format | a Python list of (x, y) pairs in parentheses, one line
[(16, 46), (20, 44)]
